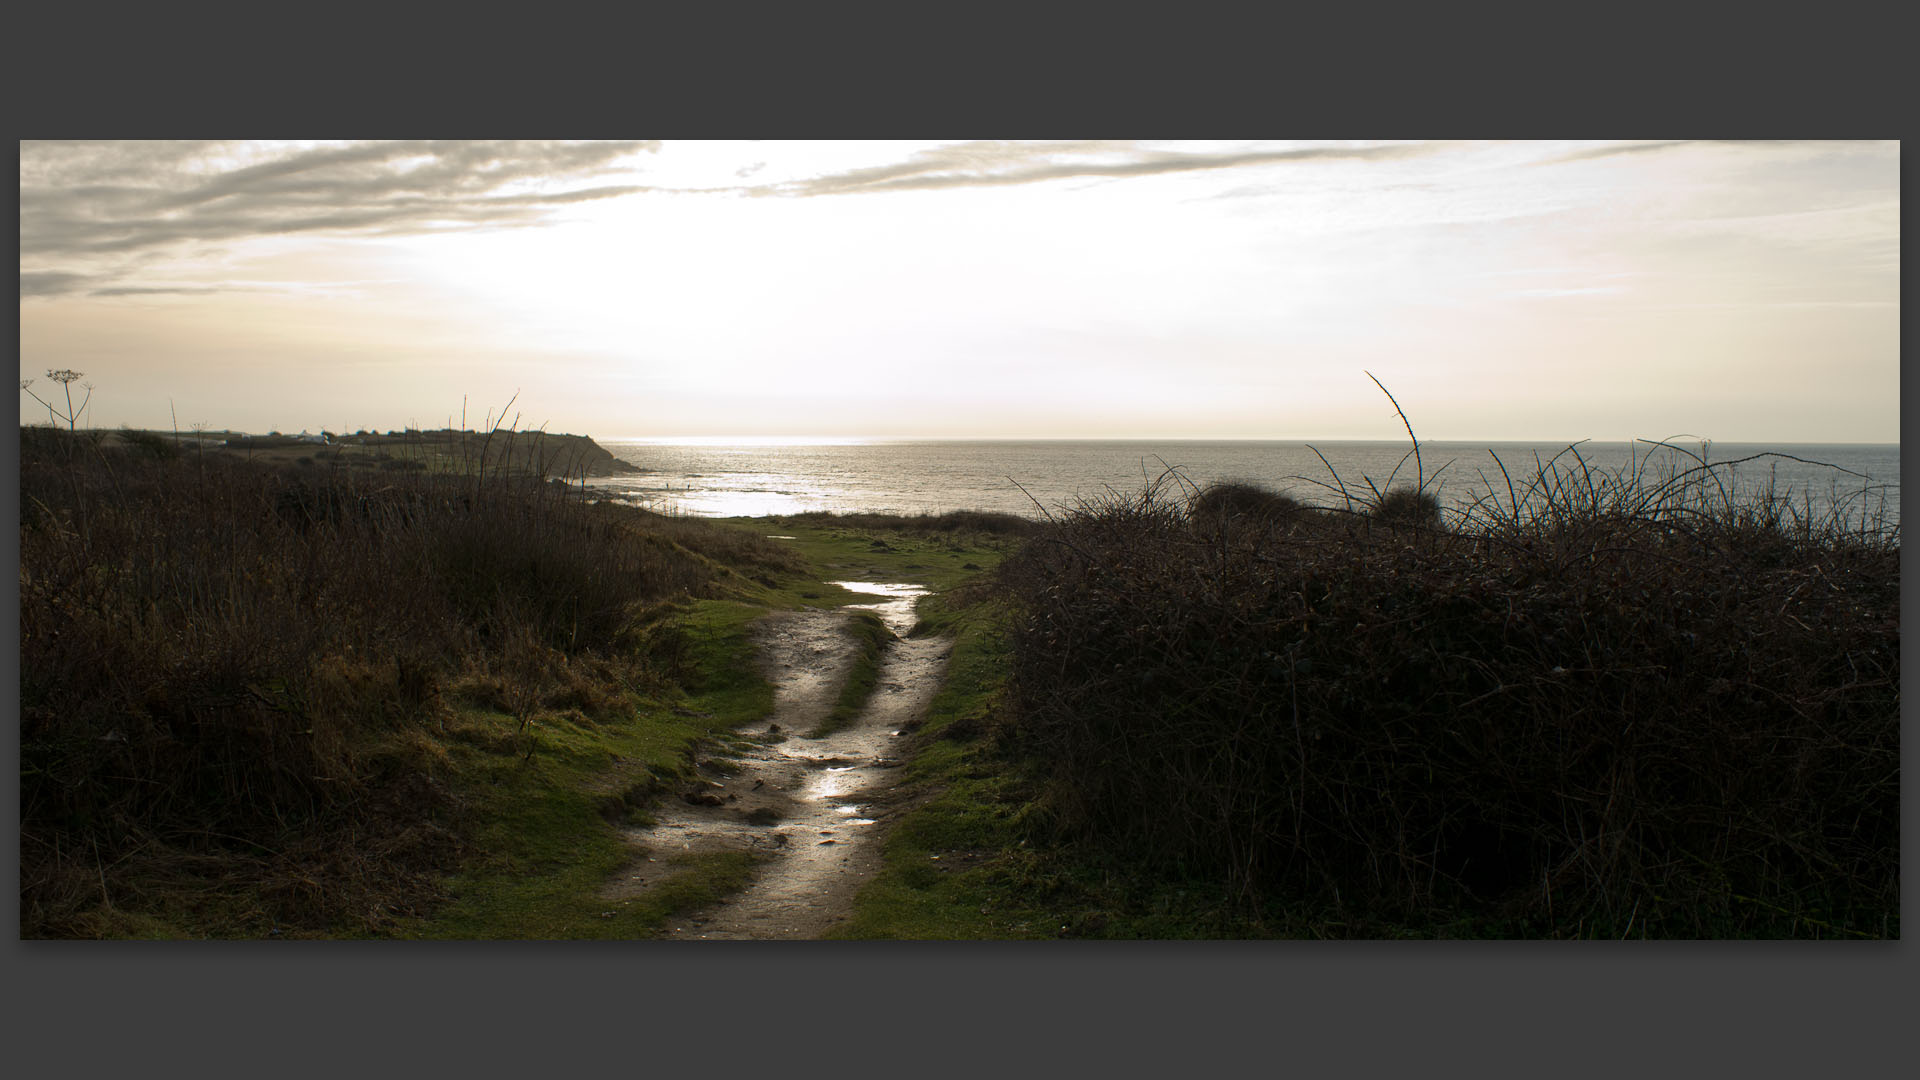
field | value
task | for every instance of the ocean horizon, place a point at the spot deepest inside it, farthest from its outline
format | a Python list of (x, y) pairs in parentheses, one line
[(1037, 477)]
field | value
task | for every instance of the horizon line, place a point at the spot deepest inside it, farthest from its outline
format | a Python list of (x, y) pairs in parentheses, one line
[(789, 439), (854, 440)]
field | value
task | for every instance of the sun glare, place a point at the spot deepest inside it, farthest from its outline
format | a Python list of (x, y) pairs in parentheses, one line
[(751, 440)]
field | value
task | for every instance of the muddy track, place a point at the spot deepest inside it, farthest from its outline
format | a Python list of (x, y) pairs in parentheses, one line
[(816, 808)]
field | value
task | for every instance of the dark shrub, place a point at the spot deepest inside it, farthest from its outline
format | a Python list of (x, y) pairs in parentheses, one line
[(218, 657), (151, 444), (1238, 499), (1405, 506), (1622, 718)]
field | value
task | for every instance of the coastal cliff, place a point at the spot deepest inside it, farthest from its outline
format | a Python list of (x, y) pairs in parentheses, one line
[(515, 452)]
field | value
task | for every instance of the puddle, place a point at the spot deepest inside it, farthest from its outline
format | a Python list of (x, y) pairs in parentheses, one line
[(897, 611), (808, 803)]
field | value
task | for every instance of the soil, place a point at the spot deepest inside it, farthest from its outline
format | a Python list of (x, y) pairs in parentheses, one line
[(818, 808)]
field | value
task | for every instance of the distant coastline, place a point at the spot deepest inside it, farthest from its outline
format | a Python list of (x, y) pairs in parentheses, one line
[(929, 476), (447, 449)]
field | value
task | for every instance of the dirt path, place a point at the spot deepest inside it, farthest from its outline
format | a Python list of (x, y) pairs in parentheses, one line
[(817, 806)]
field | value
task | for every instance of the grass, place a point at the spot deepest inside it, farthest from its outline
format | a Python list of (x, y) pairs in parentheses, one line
[(549, 823), (553, 832), (267, 700), (274, 701), (337, 702), (870, 635), (973, 858), (1611, 705), (1629, 704), (945, 862), (940, 552)]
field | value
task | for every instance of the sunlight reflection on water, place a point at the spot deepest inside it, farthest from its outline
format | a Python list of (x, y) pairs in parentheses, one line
[(896, 613), (1031, 477)]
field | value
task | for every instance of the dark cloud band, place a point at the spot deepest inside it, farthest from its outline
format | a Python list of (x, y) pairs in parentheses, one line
[(86, 200), (998, 164)]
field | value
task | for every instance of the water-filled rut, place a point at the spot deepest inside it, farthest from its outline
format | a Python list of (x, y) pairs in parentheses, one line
[(814, 806)]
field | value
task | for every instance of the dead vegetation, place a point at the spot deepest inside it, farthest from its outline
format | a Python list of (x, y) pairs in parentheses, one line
[(234, 677), (1601, 705)]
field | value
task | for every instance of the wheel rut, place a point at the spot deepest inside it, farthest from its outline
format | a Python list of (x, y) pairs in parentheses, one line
[(816, 808)]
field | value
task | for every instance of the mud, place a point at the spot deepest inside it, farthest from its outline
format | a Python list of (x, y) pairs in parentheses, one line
[(816, 807)]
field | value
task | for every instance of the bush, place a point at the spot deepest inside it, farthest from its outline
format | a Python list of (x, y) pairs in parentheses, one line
[(1644, 713), (1231, 501), (217, 659), (151, 444), (1406, 506)]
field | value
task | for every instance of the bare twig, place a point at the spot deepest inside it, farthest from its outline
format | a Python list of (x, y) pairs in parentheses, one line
[(1419, 468)]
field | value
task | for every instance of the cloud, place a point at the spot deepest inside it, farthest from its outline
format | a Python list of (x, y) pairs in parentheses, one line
[(162, 290), (86, 200), (52, 282), (1619, 149), (91, 212), (1592, 153), (1591, 290), (997, 164)]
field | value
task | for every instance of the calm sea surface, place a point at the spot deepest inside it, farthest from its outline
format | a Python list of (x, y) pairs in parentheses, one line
[(1027, 477)]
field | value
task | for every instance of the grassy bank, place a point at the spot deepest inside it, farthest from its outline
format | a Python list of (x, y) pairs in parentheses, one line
[(1608, 705), (552, 839), (330, 701), (326, 701)]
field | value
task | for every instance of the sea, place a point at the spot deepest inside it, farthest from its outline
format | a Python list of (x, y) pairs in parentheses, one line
[(1042, 478)]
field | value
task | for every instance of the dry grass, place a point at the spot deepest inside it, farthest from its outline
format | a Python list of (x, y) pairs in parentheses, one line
[(1608, 704), (227, 668)]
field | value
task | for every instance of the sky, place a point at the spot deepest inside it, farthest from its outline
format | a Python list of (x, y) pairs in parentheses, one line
[(1540, 291)]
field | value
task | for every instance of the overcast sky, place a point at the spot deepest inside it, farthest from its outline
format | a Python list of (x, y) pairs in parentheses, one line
[(1741, 292)]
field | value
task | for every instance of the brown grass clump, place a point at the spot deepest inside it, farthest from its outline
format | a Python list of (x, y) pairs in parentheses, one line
[(223, 664), (1614, 705)]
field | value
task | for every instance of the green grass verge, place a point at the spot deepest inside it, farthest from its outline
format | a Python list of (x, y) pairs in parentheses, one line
[(550, 800), (871, 635), (544, 834), (972, 860), (951, 861), (547, 826), (875, 548)]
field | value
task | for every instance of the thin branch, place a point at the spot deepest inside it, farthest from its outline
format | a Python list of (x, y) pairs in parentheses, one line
[(1418, 467)]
